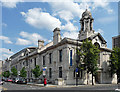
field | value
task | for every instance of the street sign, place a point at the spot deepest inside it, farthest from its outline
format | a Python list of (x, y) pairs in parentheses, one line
[(76, 70), (44, 69), (44, 73)]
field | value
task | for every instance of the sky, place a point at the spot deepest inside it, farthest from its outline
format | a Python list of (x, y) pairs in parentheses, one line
[(23, 23)]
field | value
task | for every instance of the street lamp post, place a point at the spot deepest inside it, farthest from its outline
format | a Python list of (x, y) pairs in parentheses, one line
[(77, 68), (44, 75)]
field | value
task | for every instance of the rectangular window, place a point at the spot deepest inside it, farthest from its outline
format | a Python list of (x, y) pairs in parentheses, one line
[(35, 61), (50, 72), (99, 59), (26, 62), (31, 60), (31, 74), (60, 72), (16, 66), (60, 55), (43, 60), (70, 57), (28, 74), (23, 63), (50, 58)]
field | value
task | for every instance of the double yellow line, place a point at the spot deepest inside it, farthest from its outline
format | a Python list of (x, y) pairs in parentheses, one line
[(3, 88)]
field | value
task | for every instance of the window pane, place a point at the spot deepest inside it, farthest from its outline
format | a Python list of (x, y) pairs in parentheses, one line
[(50, 58), (35, 61), (50, 73), (60, 72), (60, 55), (70, 57), (43, 60)]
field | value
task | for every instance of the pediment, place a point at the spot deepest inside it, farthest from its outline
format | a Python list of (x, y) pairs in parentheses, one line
[(98, 36)]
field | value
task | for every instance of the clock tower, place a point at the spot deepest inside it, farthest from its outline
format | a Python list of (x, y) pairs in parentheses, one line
[(86, 25)]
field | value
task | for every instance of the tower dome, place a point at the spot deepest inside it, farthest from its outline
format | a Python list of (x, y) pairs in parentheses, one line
[(87, 14)]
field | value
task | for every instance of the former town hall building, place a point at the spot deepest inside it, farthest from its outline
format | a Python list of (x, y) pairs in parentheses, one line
[(59, 56)]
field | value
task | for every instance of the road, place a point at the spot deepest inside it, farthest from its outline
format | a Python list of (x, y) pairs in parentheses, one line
[(12, 86)]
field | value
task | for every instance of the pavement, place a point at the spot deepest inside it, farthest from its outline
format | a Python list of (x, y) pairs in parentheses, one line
[(33, 86), (59, 86), (2, 88)]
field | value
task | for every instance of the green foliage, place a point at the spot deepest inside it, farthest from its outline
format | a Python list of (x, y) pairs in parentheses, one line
[(6, 74), (23, 73), (88, 55), (36, 71), (14, 71), (115, 61)]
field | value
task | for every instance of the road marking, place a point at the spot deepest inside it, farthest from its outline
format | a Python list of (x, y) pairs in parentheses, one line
[(3, 88)]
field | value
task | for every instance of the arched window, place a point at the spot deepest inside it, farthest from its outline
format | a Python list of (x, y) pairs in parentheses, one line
[(97, 44)]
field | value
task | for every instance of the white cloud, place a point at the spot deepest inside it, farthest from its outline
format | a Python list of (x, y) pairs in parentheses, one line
[(29, 38), (10, 3), (67, 11), (66, 15), (5, 39), (42, 20), (22, 42), (73, 35), (5, 53), (4, 50), (70, 10), (104, 4), (100, 31), (69, 27)]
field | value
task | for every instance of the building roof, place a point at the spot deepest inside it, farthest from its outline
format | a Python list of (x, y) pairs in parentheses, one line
[(93, 36), (23, 50), (116, 37)]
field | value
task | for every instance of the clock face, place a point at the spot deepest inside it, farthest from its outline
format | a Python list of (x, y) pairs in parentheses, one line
[(86, 16)]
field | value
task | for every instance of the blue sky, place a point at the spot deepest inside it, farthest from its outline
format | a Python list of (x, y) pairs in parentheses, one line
[(23, 23)]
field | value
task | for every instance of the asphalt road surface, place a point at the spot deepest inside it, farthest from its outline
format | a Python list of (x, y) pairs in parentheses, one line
[(12, 86)]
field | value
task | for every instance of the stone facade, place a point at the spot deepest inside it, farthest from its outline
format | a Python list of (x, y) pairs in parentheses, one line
[(116, 41), (59, 56), (1, 63)]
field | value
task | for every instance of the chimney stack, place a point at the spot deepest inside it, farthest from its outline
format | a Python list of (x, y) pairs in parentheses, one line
[(40, 43), (56, 36)]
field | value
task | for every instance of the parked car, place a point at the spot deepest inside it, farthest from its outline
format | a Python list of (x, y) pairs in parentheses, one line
[(6, 79), (14, 80), (9, 80), (22, 81), (1, 82)]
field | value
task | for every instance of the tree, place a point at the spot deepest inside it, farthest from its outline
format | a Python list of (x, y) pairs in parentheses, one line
[(89, 54), (6, 74), (115, 62), (23, 73), (36, 71), (14, 72)]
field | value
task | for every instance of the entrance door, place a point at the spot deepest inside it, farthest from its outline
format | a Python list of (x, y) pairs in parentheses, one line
[(97, 78)]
